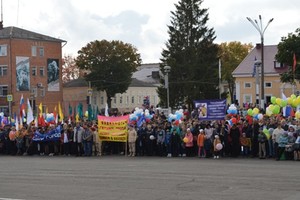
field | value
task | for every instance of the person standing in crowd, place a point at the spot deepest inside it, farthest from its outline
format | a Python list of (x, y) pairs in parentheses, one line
[(208, 140), (282, 142), (262, 144), (254, 139), (141, 143), (12, 139), (161, 136), (65, 137), (296, 147), (275, 137), (97, 143), (78, 133), (150, 140), (216, 142), (87, 139), (245, 144), (235, 135), (189, 143), (132, 136), (200, 144), (175, 141), (20, 140)]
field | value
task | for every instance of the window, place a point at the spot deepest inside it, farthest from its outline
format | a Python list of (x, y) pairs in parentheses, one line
[(3, 50), (127, 99), (4, 109), (33, 71), (247, 85), (278, 65), (41, 51), (121, 99), (139, 99), (42, 91), (33, 50), (3, 70), (268, 84), (33, 91), (101, 100), (3, 90), (42, 72), (132, 99)]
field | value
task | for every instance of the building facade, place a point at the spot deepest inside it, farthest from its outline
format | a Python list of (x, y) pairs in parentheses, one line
[(248, 77), (30, 65), (144, 84)]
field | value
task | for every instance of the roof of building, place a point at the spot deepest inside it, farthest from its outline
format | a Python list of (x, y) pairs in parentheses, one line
[(15, 32), (137, 83), (246, 66), (145, 71), (80, 82)]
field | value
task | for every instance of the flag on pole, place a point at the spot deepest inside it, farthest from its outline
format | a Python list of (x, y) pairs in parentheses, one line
[(61, 115), (22, 107), (29, 113), (294, 63), (36, 122), (41, 109), (17, 123), (106, 110)]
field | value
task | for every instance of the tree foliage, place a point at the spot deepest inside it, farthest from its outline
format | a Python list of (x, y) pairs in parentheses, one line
[(191, 54), (110, 65), (231, 55), (289, 46), (70, 71)]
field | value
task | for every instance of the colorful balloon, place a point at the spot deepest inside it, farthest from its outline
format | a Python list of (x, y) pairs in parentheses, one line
[(219, 146), (273, 100)]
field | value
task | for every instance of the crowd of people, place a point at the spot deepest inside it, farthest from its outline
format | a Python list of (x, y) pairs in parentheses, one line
[(161, 137)]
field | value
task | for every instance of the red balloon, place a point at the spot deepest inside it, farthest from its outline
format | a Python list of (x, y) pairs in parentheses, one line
[(233, 120)]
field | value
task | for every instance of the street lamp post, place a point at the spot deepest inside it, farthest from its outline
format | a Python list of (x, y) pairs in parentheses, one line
[(261, 30), (167, 71)]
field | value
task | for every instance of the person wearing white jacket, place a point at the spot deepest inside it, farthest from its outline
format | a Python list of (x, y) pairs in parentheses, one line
[(132, 136)]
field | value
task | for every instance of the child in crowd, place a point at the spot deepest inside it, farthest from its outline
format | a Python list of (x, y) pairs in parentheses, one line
[(245, 144), (200, 143), (216, 150), (262, 138)]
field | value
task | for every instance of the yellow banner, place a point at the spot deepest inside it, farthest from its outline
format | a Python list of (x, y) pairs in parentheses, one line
[(113, 129)]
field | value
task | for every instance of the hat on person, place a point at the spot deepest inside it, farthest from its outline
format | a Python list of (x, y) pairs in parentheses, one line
[(201, 130)]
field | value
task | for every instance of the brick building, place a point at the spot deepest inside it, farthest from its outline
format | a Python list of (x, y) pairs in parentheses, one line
[(30, 64)]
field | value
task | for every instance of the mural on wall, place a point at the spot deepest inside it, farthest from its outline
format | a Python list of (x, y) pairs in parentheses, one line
[(53, 74), (22, 72)]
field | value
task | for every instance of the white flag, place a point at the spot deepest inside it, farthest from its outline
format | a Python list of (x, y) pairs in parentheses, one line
[(30, 117), (106, 110)]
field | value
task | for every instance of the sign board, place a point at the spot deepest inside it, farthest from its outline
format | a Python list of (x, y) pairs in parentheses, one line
[(9, 97), (89, 92)]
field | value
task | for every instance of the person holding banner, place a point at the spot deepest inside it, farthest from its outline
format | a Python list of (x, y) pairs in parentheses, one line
[(132, 136)]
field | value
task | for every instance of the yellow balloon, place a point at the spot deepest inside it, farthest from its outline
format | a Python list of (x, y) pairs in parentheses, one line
[(278, 101), (271, 107), (255, 111), (295, 103), (297, 114), (289, 100), (185, 139)]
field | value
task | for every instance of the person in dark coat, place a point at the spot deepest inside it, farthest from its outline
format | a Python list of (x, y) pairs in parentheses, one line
[(235, 136)]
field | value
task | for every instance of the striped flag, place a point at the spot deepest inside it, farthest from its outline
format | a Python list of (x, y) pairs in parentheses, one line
[(254, 68)]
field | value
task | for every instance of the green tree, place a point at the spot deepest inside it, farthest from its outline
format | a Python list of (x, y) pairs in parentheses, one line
[(110, 65), (231, 55), (289, 46), (191, 54)]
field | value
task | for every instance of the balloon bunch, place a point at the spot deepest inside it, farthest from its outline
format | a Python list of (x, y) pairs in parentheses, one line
[(177, 117), (138, 114), (50, 118), (232, 109), (255, 113)]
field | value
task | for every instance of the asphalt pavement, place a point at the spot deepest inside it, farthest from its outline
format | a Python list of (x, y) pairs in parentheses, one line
[(147, 178)]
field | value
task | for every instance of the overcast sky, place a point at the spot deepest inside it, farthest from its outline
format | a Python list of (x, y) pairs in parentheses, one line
[(143, 23)]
